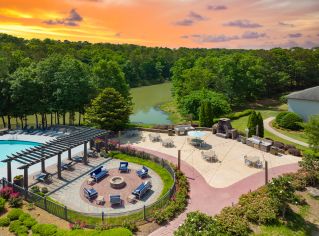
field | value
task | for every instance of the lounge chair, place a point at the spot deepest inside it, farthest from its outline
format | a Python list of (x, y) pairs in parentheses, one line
[(90, 193), (99, 173), (42, 177), (142, 189), (77, 159), (66, 166), (142, 172), (115, 199), (123, 167)]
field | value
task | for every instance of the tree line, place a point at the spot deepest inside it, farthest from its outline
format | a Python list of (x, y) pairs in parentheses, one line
[(52, 78)]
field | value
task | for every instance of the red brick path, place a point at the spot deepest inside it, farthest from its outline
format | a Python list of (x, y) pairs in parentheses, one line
[(208, 199)]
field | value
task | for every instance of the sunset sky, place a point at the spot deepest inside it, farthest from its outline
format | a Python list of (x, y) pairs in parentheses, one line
[(167, 23)]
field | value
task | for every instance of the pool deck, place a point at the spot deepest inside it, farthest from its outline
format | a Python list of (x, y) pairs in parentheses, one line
[(37, 167), (230, 168)]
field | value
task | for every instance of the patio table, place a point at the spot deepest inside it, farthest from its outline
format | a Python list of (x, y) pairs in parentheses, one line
[(210, 156), (252, 161), (167, 142), (154, 137)]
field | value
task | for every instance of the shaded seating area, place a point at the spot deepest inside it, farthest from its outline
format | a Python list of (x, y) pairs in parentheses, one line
[(123, 167), (90, 193), (253, 161), (140, 191), (142, 173), (115, 199), (99, 173)]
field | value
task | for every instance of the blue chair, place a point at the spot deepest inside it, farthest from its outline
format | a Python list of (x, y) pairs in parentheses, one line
[(115, 199), (142, 189), (142, 172), (123, 167), (90, 193), (99, 173)]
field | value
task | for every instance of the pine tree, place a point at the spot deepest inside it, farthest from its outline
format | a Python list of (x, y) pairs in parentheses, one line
[(202, 114), (252, 123), (260, 125), (206, 114)]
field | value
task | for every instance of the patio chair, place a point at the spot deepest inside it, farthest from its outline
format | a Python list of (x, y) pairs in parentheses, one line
[(99, 173), (77, 159), (42, 177), (142, 172), (142, 189), (123, 167), (66, 166), (90, 193), (259, 164), (115, 199)]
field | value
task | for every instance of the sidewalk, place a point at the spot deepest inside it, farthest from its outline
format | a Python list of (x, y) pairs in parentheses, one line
[(275, 132), (211, 200)]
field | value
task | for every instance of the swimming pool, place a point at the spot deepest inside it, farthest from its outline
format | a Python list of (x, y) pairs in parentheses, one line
[(8, 147)]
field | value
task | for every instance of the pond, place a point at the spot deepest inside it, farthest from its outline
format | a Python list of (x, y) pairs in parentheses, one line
[(146, 101)]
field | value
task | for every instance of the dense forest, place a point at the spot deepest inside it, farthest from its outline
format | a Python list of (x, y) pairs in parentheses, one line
[(39, 77)]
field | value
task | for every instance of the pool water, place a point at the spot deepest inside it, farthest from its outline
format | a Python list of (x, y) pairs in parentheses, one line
[(8, 147)]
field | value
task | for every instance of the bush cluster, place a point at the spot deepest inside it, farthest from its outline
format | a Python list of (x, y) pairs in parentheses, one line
[(44, 229), (2, 204), (4, 221), (179, 202), (13, 197), (289, 120)]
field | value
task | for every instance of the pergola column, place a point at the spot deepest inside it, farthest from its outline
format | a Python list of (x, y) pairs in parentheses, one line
[(43, 165), (9, 171), (69, 154), (26, 178), (59, 166), (85, 156)]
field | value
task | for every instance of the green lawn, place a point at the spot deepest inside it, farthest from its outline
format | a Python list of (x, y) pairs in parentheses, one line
[(299, 135)]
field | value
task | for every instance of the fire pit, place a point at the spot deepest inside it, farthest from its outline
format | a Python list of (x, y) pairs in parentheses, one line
[(117, 182)]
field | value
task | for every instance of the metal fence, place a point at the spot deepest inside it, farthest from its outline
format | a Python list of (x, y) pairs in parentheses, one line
[(146, 212)]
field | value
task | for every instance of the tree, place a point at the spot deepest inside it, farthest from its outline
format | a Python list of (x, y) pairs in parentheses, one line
[(108, 74), (282, 192), (310, 163), (312, 132), (109, 110), (206, 114), (260, 124), (252, 123)]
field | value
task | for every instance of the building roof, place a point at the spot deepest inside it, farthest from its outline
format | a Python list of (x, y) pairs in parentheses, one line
[(311, 94)]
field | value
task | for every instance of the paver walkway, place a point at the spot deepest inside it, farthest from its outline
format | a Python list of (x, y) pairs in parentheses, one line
[(275, 132), (211, 200)]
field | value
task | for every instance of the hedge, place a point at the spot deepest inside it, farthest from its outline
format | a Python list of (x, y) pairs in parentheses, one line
[(289, 120)]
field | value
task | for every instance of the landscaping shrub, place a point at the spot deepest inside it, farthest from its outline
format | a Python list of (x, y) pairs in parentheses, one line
[(4, 221), (231, 221), (279, 145), (44, 229), (178, 203), (5, 192), (280, 116), (197, 224), (44, 190), (299, 180), (2, 204), (27, 220), (294, 151), (18, 228), (14, 214), (15, 200), (130, 226), (289, 120), (258, 207), (35, 189)]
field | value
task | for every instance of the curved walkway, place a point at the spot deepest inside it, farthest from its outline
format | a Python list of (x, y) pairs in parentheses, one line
[(275, 132), (211, 200)]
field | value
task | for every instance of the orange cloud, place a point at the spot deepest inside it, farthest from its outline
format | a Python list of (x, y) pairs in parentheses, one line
[(237, 24)]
